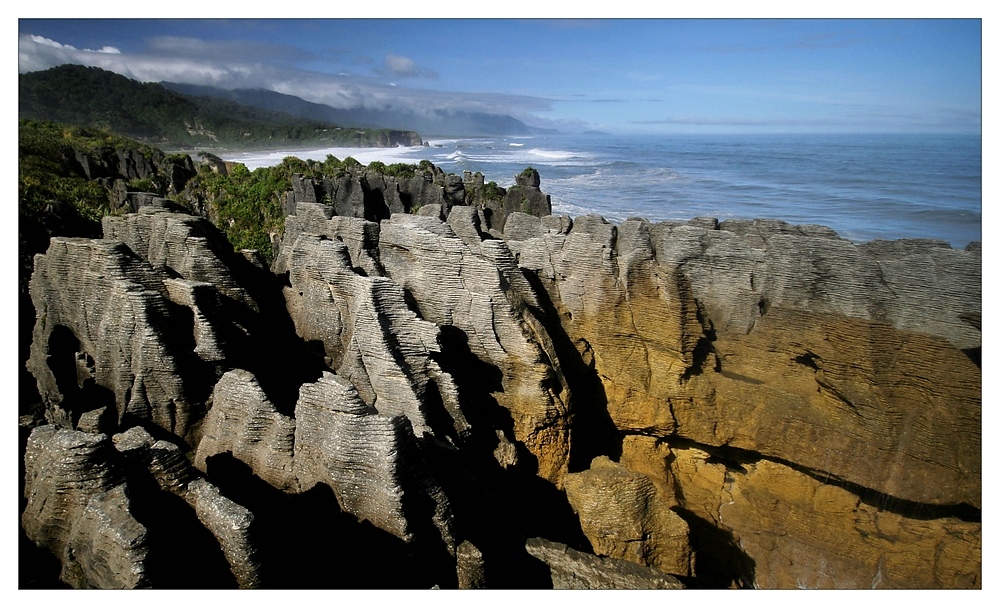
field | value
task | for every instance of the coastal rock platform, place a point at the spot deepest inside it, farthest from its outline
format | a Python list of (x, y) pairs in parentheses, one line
[(431, 399)]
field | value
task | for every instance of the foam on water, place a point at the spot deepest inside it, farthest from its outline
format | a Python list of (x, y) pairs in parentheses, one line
[(253, 160), (862, 186)]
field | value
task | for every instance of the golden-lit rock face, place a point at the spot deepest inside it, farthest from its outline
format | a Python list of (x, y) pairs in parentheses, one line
[(625, 517), (895, 412), (801, 532), (802, 354), (744, 404)]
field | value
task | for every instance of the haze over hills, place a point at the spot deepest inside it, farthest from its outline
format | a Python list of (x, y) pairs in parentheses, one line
[(435, 122), (92, 97), (182, 116)]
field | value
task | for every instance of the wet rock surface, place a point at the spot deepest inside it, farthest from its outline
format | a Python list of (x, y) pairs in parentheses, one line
[(404, 400)]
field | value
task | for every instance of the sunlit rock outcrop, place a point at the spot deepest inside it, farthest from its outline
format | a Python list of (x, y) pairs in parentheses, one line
[(738, 404), (78, 509), (625, 517)]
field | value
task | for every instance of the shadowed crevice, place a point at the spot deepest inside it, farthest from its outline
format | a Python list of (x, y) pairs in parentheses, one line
[(735, 458)]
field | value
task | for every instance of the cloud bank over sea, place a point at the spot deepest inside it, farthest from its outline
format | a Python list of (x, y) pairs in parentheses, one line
[(625, 76), (238, 64)]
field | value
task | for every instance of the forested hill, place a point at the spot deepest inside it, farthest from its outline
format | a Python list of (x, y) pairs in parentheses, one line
[(442, 123), (93, 97)]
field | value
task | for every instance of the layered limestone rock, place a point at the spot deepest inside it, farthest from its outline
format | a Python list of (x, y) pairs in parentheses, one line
[(148, 318), (106, 333), (370, 336), (637, 322), (524, 196), (369, 460), (374, 196), (364, 193), (78, 509), (229, 523), (572, 569), (476, 293), (789, 349), (795, 530), (183, 245), (625, 517), (795, 347), (744, 403)]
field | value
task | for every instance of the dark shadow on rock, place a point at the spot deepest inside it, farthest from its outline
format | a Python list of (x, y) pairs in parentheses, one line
[(305, 541), (374, 201), (183, 554), (265, 343), (436, 414), (496, 508), (36, 567), (594, 432), (704, 347), (720, 563), (62, 348), (734, 458), (975, 355)]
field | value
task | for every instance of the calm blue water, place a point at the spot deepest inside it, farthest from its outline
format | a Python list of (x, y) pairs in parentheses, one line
[(863, 186)]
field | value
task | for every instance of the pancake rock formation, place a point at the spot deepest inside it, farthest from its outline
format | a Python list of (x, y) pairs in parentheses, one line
[(466, 393)]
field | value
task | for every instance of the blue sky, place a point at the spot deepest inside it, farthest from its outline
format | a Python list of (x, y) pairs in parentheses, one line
[(632, 75)]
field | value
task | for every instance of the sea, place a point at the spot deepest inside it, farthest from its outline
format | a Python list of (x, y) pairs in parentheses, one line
[(866, 187)]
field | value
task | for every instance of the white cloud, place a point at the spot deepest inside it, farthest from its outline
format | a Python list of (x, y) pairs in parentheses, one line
[(49, 42), (401, 66), (241, 64), (404, 67)]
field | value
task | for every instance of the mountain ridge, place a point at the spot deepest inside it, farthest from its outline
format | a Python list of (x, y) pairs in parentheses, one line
[(151, 113), (437, 122)]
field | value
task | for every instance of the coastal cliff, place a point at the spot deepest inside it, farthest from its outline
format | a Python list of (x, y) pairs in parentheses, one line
[(471, 392)]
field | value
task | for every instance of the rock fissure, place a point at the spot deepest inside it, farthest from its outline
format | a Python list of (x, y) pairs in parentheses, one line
[(735, 404)]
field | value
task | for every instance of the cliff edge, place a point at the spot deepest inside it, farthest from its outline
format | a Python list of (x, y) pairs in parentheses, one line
[(469, 395)]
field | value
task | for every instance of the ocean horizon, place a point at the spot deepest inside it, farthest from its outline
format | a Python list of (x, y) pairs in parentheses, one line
[(864, 186)]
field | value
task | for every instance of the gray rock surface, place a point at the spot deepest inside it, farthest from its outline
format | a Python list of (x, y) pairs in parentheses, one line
[(481, 293), (369, 334), (106, 332), (572, 569), (334, 439), (451, 388), (78, 509)]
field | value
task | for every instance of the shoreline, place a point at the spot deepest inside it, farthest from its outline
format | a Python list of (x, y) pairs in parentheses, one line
[(659, 183)]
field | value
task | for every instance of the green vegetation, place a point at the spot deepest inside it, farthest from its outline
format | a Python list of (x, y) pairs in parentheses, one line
[(48, 177), (377, 166), (491, 191), (49, 172), (151, 113), (56, 196), (246, 205)]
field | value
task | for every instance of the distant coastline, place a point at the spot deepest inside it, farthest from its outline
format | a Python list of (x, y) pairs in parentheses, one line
[(866, 187)]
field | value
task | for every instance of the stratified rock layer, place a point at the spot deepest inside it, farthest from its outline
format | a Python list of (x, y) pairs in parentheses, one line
[(475, 291), (106, 332), (625, 517), (572, 569), (78, 509), (334, 439), (738, 403)]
